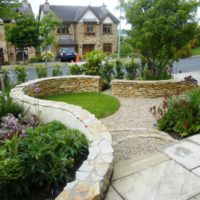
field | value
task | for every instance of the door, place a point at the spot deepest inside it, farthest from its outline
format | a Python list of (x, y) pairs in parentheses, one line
[(87, 48)]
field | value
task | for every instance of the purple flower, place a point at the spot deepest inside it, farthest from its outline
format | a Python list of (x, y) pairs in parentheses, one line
[(32, 86), (37, 90)]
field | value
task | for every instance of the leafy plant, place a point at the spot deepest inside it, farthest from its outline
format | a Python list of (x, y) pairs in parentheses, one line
[(57, 71), (75, 69), (131, 69), (180, 115), (7, 105), (21, 73), (42, 160), (107, 73), (41, 71), (119, 73), (94, 62)]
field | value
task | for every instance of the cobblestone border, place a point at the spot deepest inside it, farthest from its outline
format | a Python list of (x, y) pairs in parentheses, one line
[(93, 177)]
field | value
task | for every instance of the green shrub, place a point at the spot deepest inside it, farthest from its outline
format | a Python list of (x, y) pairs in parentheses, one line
[(20, 73), (6, 79), (45, 158), (107, 74), (180, 115), (36, 59), (131, 69), (75, 69), (94, 62), (7, 105), (57, 71), (41, 71), (5, 63), (119, 66)]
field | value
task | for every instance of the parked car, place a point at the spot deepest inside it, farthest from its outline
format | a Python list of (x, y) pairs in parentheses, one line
[(67, 54)]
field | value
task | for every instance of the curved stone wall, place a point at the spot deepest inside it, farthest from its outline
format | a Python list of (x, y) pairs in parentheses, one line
[(149, 89), (92, 178)]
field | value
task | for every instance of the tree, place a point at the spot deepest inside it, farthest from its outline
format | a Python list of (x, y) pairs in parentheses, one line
[(48, 25), (23, 33), (6, 8), (160, 29)]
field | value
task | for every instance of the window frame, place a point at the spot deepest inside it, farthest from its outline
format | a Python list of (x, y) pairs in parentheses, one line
[(107, 47), (107, 29)]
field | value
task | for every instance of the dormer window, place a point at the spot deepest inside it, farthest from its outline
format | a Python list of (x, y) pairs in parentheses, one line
[(64, 29), (107, 28)]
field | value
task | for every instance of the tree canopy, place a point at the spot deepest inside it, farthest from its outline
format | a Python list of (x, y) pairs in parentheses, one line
[(160, 28), (24, 32), (48, 25), (6, 7)]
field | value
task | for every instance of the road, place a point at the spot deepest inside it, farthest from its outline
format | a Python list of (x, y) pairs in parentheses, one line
[(190, 66), (187, 64)]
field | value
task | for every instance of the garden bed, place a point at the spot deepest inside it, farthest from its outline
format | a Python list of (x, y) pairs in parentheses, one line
[(92, 178)]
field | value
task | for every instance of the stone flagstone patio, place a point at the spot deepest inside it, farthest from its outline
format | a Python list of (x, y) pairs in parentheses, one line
[(172, 173)]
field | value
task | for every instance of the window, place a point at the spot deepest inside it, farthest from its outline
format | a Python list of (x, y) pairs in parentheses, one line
[(107, 47), (107, 28), (63, 29), (89, 29)]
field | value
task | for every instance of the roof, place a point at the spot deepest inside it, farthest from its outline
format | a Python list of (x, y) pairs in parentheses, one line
[(74, 13)]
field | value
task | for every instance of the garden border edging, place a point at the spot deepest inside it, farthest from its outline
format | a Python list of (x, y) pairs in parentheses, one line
[(93, 177)]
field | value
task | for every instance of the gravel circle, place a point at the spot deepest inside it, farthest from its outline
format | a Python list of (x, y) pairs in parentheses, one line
[(135, 146)]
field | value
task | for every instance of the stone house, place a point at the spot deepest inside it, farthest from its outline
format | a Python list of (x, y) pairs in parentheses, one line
[(84, 28), (10, 53)]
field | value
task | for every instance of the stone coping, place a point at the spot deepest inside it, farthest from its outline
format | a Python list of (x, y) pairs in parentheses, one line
[(93, 177), (150, 89)]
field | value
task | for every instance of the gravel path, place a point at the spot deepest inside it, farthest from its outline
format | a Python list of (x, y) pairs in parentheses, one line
[(133, 128)]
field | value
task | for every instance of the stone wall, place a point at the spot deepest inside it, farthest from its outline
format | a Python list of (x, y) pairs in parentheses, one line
[(93, 177), (125, 88), (66, 84)]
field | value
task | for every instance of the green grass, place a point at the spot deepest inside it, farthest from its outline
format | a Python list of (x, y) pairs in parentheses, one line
[(101, 105), (195, 51)]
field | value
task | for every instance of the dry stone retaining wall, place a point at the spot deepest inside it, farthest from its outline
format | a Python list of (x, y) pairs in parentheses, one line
[(92, 178), (149, 89)]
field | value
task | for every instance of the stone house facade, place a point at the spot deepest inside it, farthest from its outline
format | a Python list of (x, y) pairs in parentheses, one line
[(84, 28), (10, 53)]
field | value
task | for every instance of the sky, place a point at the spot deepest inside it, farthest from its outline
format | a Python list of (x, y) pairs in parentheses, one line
[(111, 5)]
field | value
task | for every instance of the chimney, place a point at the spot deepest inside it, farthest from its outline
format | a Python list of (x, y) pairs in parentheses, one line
[(46, 6)]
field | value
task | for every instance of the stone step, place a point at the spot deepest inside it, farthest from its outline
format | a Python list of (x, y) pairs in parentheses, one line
[(137, 163)]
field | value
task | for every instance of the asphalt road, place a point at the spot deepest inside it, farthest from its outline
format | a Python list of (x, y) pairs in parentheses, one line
[(187, 65), (191, 64)]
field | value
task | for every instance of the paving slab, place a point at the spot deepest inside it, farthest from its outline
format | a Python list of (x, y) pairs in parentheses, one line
[(186, 152), (196, 171), (112, 195), (127, 167), (195, 138), (165, 181)]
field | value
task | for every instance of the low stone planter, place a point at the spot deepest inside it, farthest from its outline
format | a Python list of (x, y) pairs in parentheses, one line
[(93, 177), (149, 89)]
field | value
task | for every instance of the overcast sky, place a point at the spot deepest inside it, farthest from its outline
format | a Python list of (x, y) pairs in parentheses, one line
[(111, 5)]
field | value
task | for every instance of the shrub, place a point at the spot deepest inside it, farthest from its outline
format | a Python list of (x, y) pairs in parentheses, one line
[(20, 73), (36, 59), (7, 105), (180, 115), (107, 74), (94, 62), (131, 69), (57, 71), (119, 73), (75, 69), (40, 161), (41, 71)]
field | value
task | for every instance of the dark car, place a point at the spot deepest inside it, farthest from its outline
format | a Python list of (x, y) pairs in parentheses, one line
[(67, 54)]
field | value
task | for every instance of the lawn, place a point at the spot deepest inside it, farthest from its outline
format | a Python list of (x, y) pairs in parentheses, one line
[(195, 51), (101, 105)]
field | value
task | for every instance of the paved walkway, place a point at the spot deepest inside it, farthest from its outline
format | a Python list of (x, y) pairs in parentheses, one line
[(172, 173)]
